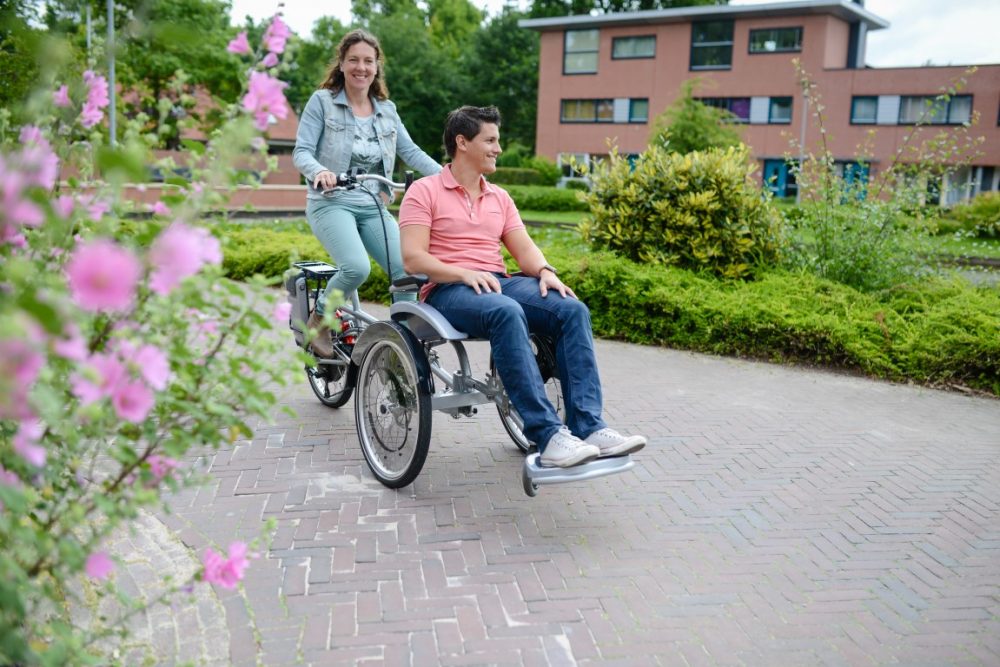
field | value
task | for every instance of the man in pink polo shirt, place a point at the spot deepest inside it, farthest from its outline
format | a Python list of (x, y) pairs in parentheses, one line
[(451, 229)]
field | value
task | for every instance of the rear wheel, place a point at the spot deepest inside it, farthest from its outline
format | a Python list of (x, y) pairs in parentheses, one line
[(545, 356), (329, 383), (393, 412)]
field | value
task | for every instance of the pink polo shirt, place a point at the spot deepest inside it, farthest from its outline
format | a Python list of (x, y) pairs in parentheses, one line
[(465, 233)]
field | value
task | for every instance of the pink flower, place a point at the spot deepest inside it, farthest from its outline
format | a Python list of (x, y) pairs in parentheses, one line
[(8, 478), (132, 400), (151, 361), (226, 572), (270, 60), (60, 97), (63, 206), (99, 565), (239, 45), (20, 364), (110, 373), (276, 35), (24, 212), (72, 346), (96, 208), (97, 99), (38, 161), (265, 99), (161, 467), (282, 310), (159, 208), (179, 252), (26, 445), (103, 276)]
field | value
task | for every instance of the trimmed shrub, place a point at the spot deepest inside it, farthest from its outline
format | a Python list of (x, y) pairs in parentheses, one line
[(981, 216), (539, 198), (699, 211), (517, 176), (549, 170)]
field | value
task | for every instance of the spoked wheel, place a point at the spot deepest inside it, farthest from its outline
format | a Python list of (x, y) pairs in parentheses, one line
[(393, 412), (545, 356), (329, 383)]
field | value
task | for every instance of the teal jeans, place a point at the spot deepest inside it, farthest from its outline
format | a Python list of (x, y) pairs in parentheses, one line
[(350, 234)]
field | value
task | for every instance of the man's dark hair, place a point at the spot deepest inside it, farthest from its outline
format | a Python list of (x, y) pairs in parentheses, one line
[(467, 121)]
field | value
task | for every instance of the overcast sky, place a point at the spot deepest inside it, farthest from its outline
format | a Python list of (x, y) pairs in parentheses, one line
[(964, 32)]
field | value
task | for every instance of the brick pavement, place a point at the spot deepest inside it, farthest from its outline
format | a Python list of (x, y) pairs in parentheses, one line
[(779, 516)]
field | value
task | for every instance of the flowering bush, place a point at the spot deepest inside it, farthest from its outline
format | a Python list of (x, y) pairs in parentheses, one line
[(121, 348)]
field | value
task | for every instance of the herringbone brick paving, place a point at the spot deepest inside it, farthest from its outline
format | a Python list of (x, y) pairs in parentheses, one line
[(778, 516)]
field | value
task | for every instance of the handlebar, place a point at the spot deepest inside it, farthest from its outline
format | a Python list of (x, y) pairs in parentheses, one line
[(352, 179)]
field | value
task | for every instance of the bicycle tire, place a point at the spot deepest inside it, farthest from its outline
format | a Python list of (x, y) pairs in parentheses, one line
[(545, 357), (330, 384)]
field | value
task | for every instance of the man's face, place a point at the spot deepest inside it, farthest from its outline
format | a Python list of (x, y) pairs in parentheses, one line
[(484, 148)]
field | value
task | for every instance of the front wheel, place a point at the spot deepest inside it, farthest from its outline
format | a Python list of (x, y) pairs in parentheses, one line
[(393, 412), (545, 357)]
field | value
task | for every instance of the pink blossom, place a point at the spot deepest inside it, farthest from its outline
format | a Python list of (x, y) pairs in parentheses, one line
[(38, 161), (97, 99), (276, 35), (10, 235), (226, 572), (282, 310), (161, 467), (24, 212), (20, 364), (159, 208), (96, 208), (63, 206), (72, 346), (109, 372), (99, 565), (270, 60), (103, 276), (265, 99), (8, 478), (26, 445), (179, 252), (132, 400), (151, 361), (239, 45), (60, 97)]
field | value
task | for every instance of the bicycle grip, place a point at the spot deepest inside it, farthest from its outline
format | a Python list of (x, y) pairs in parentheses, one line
[(407, 179)]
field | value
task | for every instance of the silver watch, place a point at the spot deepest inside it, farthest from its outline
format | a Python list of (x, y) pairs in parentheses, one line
[(550, 268)]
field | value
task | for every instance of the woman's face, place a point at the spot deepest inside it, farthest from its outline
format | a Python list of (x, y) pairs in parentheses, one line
[(360, 65)]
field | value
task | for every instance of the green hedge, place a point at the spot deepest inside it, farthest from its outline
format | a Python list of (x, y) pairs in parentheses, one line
[(538, 198), (517, 176), (940, 332)]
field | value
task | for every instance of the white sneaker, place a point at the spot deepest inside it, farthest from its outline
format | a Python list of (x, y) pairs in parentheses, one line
[(565, 449), (612, 443)]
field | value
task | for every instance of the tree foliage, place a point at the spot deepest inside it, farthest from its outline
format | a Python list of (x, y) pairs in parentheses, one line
[(688, 125)]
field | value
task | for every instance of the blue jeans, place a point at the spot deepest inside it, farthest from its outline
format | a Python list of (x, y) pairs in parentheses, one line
[(505, 319), (350, 234)]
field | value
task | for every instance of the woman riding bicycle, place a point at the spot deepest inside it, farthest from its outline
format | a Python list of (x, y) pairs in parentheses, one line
[(350, 122)]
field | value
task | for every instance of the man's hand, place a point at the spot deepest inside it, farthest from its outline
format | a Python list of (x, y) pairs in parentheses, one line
[(548, 280), (481, 281)]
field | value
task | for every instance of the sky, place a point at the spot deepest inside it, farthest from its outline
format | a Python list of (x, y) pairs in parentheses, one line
[(920, 31)]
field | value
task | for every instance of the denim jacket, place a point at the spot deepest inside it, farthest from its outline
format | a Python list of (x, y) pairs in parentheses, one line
[(325, 138)]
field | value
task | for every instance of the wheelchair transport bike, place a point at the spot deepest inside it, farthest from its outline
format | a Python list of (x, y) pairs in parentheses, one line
[(398, 378)]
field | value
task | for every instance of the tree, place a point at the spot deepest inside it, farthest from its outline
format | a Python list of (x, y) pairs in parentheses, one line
[(311, 59), (511, 80), (453, 25), (544, 8), (688, 125)]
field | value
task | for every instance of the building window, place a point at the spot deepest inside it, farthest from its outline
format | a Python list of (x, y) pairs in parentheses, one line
[(633, 47), (739, 107), (936, 111), (776, 40), (580, 51), (780, 111), (638, 111), (864, 110), (587, 111), (712, 45)]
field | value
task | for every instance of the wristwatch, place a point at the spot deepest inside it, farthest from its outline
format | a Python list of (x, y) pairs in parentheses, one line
[(548, 267)]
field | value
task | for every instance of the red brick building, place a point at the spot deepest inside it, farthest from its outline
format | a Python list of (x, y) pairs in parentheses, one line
[(607, 77)]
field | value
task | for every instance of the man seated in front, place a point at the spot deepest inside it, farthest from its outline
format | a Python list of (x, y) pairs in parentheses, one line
[(451, 228)]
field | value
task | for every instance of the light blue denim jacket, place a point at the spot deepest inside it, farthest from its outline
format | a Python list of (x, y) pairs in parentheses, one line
[(325, 138)]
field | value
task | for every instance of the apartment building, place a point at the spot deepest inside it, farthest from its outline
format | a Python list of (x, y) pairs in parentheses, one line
[(605, 78)]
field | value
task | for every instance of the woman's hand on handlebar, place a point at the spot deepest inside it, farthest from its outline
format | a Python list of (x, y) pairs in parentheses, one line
[(325, 180)]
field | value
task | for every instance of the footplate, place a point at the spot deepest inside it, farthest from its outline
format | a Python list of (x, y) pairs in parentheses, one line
[(534, 474)]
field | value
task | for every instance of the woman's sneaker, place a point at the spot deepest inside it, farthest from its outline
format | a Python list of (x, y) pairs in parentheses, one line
[(612, 443), (565, 450)]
